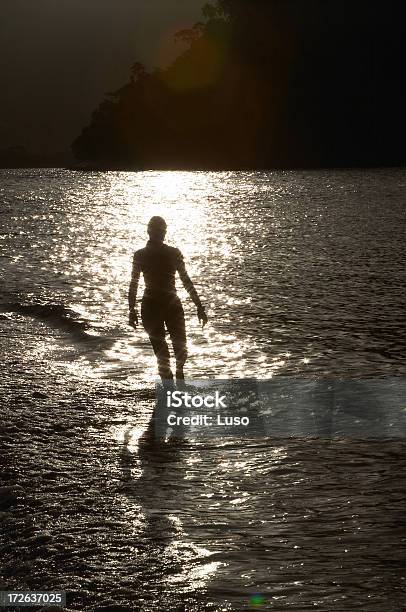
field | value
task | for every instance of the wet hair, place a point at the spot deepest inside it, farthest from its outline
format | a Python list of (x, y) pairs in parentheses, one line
[(157, 228)]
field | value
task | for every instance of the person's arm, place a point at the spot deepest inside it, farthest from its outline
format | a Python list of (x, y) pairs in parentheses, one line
[(190, 288), (132, 293)]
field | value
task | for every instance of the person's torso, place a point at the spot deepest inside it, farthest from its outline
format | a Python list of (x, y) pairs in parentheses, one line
[(158, 263)]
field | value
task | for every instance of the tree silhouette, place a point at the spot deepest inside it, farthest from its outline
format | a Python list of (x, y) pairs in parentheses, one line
[(264, 83), (137, 71)]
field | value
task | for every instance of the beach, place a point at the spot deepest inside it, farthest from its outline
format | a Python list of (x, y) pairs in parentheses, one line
[(303, 277)]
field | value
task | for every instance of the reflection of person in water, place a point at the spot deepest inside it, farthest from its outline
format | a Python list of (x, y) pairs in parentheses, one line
[(161, 305)]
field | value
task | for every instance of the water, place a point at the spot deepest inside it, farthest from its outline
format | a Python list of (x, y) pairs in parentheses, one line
[(303, 276)]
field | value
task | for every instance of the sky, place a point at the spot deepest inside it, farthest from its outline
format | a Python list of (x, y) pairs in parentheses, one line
[(59, 57)]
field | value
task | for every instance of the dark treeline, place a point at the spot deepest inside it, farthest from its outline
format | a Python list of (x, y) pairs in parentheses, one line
[(19, 157), (264, 83)]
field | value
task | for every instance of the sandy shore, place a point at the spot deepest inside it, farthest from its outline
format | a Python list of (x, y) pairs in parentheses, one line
[(90, 508)]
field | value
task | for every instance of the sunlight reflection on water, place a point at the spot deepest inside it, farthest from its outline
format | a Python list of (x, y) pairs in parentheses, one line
[(302, 274), (188, 202), (282, 261)]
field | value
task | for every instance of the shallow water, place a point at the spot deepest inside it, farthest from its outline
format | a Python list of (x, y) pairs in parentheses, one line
[(303, 276)]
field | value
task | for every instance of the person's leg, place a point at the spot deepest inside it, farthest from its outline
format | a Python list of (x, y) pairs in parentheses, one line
[(175, 322), (152, 315)]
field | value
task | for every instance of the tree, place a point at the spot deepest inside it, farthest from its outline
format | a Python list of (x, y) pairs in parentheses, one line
[(264, 83)]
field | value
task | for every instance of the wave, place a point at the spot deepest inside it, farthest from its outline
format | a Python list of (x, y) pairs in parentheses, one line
[(60, 317)]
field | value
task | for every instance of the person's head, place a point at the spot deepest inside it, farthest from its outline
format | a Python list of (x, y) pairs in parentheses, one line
[(157, 228)]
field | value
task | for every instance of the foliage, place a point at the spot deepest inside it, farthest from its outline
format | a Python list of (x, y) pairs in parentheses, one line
[(263, 83)]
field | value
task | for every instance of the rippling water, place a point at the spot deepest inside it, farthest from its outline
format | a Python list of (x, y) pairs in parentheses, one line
[(303, 274)]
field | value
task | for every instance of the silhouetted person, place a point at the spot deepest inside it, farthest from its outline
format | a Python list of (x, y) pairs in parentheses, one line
[(161, 305)]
